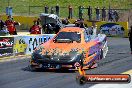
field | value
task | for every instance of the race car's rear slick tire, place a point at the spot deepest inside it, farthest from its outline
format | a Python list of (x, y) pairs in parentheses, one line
[(91, 65), (101, 55)]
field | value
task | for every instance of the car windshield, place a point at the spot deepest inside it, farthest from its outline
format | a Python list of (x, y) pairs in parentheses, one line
[(68, 37)]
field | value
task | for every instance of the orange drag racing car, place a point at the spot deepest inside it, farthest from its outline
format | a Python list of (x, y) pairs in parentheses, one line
[(70, 48)]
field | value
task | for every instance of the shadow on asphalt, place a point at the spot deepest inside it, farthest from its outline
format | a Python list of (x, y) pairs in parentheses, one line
[(49, 70)]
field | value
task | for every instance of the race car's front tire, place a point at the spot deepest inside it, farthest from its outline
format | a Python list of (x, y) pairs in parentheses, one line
[(81, 80), (93, 65), (32, 68)]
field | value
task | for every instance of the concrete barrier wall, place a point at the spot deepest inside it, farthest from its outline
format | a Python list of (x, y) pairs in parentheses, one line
[(21, 45), (6, 46)]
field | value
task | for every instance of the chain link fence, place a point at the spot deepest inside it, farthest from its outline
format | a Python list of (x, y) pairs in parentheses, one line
[(34, 9)]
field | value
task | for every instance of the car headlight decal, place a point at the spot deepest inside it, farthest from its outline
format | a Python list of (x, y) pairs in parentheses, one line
[(77, 64)]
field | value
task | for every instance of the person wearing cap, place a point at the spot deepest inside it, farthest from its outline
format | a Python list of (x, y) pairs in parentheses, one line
[(130, 37), (36, 28), (10, 23)]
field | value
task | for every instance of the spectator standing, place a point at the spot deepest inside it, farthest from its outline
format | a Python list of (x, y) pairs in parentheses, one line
[(90, 12), (113, 16), (35, 29), (80, 12), (57, 9), (46, 9), (97, 13), (10, 23), (70, 12), (110, 15), (103, 14), (116, 16)]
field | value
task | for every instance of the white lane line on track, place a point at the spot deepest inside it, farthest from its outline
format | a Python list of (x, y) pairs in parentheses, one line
[(129, 85), (128, 72)]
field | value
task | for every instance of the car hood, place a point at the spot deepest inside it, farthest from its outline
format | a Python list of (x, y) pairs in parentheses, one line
[(51, 48)]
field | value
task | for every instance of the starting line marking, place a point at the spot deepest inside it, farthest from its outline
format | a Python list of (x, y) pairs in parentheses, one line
[(128, 72)]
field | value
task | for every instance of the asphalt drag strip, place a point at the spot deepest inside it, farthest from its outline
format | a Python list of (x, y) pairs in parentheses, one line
[(17, 74)]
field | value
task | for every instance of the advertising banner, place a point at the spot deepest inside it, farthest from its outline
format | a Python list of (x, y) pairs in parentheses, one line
[(118, 29), (112, 29), (6, 46), (26, 44)]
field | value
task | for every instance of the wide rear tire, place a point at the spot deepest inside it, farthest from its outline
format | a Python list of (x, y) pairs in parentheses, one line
[(32, 68), (101, 54)]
